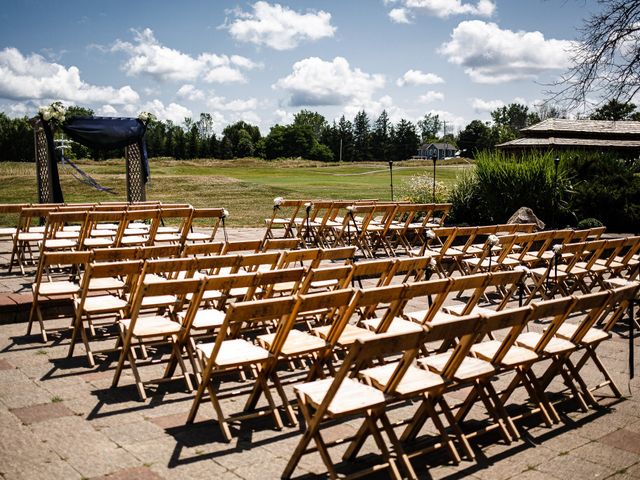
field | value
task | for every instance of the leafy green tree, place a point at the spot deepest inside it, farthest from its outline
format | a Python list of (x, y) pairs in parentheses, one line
[(615, 110), (331, 139), (404, 140), (361, 137), (475, 137), (245, 147), (232, 133), (16, 139), (429, 127), (313, 120), (515, 117), (180, 145), (226, 148)]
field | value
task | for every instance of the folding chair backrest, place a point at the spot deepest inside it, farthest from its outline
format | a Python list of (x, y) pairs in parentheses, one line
[(476, 282), (209, 218), (158, 251), (205, 248), (115, 254), (344, 254), (304, 257), (331, 277), (377, 269), (216, 265), (413, 267), (465, 329), (619, 303), (291, 277), (559, 309), (170, 266), (255, 261), (436, 291), (515, 319), (280, 244), (242, 246), (591, 305)]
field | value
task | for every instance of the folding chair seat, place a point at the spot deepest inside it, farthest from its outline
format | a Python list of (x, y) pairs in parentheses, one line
[(12, 209), (105, 308), (159, 328), (221, 265), (229, 352), (212, 217), (622, 259), (439, 214), (494, 256), (344, 397), (58, 232), (552, 278), (64, 285)]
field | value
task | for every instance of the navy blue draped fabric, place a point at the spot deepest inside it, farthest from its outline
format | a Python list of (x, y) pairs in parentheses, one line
[(108, 133), (53, 165)]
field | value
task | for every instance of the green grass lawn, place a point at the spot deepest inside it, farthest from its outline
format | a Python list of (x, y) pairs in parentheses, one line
[(246, 187)]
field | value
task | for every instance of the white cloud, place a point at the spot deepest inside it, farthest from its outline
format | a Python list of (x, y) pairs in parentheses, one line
[(399, 15), (483, 106), (221, 103), (174, 111), (416, 77), (34, 78), (431, 96), (190, 92), (315, 82), (282, 117), (279, 27), (441, 8), (454, 122), (107, 111), (492, 55), (149, 57)]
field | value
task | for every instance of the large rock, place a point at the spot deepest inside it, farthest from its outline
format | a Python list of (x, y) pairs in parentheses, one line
[(526, 215)]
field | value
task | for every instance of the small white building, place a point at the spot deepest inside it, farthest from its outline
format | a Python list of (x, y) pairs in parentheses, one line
[(436, 150)]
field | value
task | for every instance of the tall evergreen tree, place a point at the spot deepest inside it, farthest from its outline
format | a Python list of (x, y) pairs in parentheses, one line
[(345, 132), (361, 137), (380, 137), (405, 140)]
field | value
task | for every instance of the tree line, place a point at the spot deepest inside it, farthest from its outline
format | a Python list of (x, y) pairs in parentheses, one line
[(311, 136)]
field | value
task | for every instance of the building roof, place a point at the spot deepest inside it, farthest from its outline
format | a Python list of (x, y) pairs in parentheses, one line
[(439, 146), (571, 143), (593, 128)]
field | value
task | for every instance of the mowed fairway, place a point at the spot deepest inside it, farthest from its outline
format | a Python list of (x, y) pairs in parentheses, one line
[(246, 187)]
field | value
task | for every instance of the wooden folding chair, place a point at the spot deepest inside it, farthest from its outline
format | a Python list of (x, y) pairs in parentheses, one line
[(283, 217), (212, 217), (242, 246), (13, 211), (105, 308), (325, 279), (135, 231), (64, 285), (102, 228), (200, 249), (160, 328), (344, 397), (27, 235), (280, 244), (176, 234), (229, 353), (62, 231)]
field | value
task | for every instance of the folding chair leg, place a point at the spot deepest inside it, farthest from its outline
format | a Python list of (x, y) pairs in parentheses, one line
[(178, 355), (417, 421), (549, 409), (501, 411), (576, 394), (446, 441), (455, 426), (536, 398), (491, 409), (583, 386), (609, 380), (393, 468)]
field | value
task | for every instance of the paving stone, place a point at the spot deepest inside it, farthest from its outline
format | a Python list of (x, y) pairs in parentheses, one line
[(135, 473), (5, 365), (41, 413), (570, 466), (604, 454), (623, 440), (32, 470)]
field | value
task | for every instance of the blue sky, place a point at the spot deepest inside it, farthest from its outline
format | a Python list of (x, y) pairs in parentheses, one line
[(264, 61)]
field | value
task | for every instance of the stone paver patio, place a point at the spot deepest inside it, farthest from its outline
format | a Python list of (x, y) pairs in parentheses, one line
[(60, 419)]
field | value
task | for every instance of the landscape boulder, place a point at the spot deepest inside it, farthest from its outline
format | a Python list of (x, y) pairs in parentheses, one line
[(526, 215)]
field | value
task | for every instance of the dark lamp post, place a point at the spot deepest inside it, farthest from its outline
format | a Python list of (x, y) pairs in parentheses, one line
[(391, 177), (556, 162), (434, 157)]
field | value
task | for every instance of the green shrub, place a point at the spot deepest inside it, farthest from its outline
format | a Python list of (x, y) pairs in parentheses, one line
[(502, 183), (608, 189), (588, 223)]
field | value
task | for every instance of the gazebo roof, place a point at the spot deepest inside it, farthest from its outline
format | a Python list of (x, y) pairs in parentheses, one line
[(595, 128)]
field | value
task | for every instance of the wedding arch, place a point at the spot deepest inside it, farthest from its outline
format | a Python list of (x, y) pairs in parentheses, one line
[(93, 132)]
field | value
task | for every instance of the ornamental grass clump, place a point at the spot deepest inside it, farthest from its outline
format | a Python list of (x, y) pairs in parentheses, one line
[(419, 189)]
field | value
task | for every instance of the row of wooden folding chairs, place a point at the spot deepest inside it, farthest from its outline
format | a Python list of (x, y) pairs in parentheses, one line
[(515, 354), (326, 222), (85, 229)]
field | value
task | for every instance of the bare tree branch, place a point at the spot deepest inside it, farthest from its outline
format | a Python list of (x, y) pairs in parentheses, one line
[(605, 60)]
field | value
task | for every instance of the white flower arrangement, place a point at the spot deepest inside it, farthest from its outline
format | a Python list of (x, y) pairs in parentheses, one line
[(522, 268), (146, 117), (54, 113), (350, 208), (225, 213), (278, 201), (308, 205), (431, 235), (493, 240), (557, 249)]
